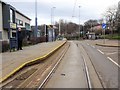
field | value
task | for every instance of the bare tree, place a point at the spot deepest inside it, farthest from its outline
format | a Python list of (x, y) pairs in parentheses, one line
[(110, 16), (90, 24)]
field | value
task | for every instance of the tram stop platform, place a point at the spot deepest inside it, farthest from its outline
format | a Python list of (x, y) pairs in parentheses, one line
[(11, 62)]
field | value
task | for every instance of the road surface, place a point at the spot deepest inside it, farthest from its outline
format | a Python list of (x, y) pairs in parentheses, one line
[(71, 71), (105, 61)]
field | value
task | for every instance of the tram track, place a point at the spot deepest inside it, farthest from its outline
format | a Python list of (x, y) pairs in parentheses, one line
[(90, 83), (86, 71), (90, 68), (43, 72), (52, 71), (39, 72)]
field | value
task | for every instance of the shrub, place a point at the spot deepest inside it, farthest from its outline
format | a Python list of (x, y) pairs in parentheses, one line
[(34, 40)]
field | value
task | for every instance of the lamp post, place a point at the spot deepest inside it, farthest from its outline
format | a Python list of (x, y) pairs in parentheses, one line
[(79, 23), (52, 22), (36, 26), (59, 27), (52, 15)]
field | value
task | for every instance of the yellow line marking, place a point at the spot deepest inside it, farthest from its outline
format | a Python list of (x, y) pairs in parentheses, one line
[(21, 66)]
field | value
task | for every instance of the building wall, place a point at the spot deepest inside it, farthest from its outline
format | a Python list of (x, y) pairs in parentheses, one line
[(22, 18), (5, 17), (5, 35), (4, 32), (1, 24)]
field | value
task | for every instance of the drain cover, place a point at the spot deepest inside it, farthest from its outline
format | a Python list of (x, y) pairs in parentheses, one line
[(77, 44), (63, 74)]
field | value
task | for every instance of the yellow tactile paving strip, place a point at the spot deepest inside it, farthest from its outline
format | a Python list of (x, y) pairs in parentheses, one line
[(31, 61)]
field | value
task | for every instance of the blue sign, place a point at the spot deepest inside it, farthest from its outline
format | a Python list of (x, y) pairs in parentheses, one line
[(104, 25)]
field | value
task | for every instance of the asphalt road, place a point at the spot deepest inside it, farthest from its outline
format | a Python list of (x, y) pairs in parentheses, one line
[(105, 61), (111, 52), (70, 72)]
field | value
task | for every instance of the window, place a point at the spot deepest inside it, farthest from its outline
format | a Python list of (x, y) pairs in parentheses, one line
[(27, 26), (11, 16), (17, 21), (21, 23)]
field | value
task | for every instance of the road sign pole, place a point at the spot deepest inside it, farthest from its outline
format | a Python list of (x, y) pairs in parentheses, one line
[(104, 37), (104, 27)]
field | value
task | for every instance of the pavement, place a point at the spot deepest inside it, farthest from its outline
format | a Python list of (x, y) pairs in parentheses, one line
[(108, 43), (11, 62)]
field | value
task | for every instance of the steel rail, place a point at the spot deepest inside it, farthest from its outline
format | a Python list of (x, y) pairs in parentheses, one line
[(51, 72)]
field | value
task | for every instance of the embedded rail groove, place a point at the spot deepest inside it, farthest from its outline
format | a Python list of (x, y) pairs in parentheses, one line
[(86, 71), (42, 85), (87, 74), (31, 62), (53, 69), (41, 69), (90, 85)]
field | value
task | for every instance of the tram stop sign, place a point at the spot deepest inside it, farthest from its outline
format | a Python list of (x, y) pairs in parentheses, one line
[(104, 25)]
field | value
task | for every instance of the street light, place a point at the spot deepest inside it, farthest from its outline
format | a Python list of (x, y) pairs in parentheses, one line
[(79, 21), (52, 22), (52, 15), (59, 27), (36, 26)]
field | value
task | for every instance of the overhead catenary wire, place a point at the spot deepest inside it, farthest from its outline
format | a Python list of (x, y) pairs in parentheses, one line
[(73, 12)]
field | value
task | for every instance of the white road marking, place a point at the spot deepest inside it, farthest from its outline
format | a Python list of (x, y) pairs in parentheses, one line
[(113, 61), (111, 53), (100, 51)]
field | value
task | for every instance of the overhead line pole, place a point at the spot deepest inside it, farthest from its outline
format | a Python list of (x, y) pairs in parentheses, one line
[(36, 26), (79, 23)]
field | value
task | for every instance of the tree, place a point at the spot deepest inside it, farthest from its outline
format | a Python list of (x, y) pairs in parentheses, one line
[(88, 25), (110, 16), (67, 27), (118, 18)]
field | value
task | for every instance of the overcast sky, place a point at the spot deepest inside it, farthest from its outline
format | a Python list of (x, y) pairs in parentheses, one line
[(65, 9)]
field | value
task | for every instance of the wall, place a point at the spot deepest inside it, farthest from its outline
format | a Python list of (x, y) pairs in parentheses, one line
[(4, 11), (4, 32), (20, 17), (1, 24)]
